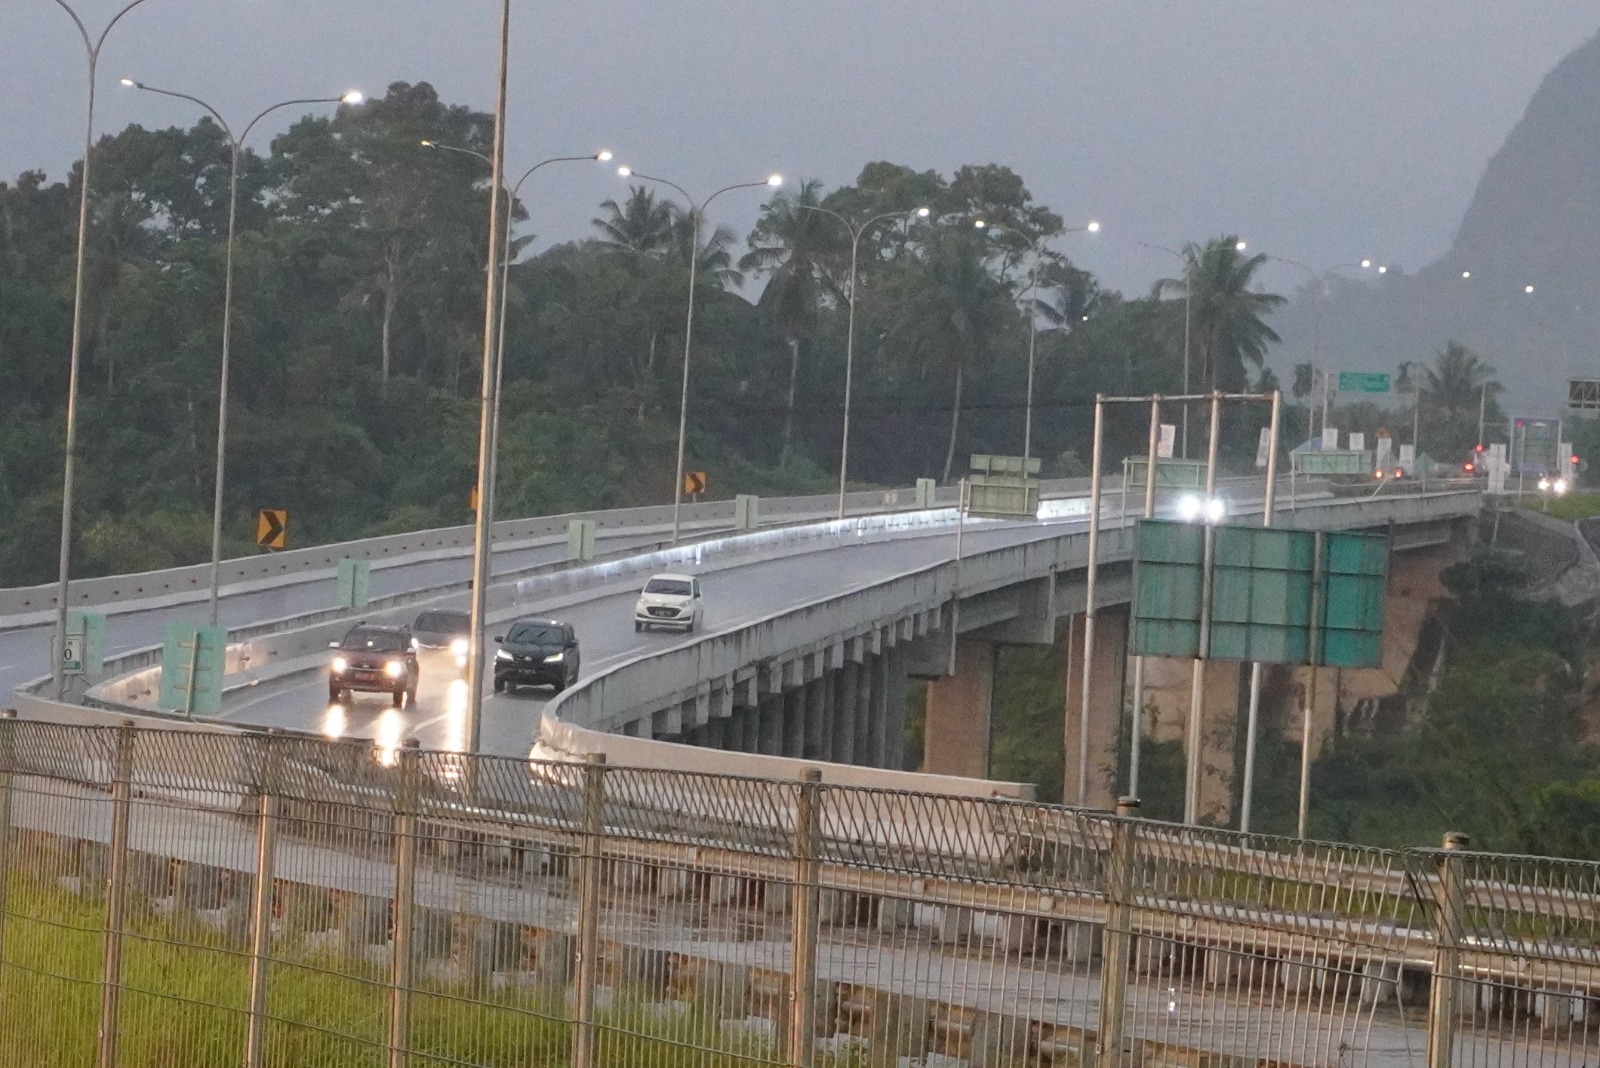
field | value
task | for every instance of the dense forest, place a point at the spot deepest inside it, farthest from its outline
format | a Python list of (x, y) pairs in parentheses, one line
[(357, 334)]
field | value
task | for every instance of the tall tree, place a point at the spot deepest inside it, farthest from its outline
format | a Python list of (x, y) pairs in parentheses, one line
[(1227, 317), (792, 246)]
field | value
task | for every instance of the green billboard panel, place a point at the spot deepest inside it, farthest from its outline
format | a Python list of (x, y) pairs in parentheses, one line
[(355, 583), (192, 664), (1266, 604), (1355, 574), (1167, 576), (1261, 594)]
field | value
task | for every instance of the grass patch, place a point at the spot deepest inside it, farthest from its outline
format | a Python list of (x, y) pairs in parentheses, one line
[(1578, 506), (185, 991)]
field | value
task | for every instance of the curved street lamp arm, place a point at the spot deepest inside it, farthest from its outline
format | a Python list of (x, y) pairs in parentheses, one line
[(288, 103), (555, 159), (455, 148), (215, 114), (667, 181)]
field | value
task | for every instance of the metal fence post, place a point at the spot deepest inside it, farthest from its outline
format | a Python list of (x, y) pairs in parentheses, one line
[(8, 757), (803, 965), (1116, 941), (1449, 922), (116, 883), (588, 974), (267, 789), (405, 880)]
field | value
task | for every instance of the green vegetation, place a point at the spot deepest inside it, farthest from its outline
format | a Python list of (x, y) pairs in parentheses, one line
[(1574, 507), (1500, 743), (186, 987), (357, 339)]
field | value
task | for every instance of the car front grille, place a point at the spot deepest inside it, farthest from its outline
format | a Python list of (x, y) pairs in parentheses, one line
[(662, 611)]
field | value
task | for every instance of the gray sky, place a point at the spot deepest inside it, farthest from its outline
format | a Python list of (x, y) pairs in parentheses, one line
[(1321, 130)]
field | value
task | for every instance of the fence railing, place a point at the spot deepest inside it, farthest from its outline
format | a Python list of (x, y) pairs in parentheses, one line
[(173, 898)]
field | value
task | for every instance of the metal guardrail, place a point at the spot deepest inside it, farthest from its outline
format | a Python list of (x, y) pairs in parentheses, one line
[(175, 898)]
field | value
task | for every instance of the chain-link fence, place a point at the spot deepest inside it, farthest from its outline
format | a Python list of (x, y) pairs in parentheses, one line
[(178, 899)]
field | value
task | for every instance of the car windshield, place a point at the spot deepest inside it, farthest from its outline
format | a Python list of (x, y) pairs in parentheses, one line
[(677, 587), (375, 641), (536, 634), (443, 622)]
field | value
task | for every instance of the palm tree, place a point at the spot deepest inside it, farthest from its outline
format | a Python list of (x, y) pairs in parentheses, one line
[(1227, 316), (946, 313), (792, 245), (641, 225), (1457, 379), (1457, 383)]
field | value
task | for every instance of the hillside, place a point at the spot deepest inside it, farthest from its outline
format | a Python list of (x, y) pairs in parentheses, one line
[(1534, 219)]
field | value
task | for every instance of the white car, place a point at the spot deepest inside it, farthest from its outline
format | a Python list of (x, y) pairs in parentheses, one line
[(668, 601)]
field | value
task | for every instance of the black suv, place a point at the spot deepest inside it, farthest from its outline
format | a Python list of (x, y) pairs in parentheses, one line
[(374, 659), (536, 651)]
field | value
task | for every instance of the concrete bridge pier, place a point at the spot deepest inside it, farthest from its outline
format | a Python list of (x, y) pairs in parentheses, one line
[(1107, 707)]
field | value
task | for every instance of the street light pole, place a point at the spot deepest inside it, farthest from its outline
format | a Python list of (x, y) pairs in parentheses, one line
[(488, 400), (850, 328), (1033, 320), (1188, 289), (695, 211), (92, 51), (488, 501), (236, 149)]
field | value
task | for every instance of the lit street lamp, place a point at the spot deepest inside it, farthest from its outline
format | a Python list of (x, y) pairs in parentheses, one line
[(1033, 325), (486, 500), (695, 212), (850, 329), (236, 149), (91, 48)]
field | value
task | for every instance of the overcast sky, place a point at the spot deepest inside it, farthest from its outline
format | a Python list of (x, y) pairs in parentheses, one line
[(1321, 130)]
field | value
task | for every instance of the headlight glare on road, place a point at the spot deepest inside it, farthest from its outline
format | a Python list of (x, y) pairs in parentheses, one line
[(555, 658), (339, 665), (394, 669)]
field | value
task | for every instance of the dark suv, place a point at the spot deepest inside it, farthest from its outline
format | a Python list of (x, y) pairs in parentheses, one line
[(535, 651), (374, 659)]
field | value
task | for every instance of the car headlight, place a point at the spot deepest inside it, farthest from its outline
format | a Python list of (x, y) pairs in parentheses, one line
[(501, 654), (394, 669), (339, 665), (555, 658), (460, 646)]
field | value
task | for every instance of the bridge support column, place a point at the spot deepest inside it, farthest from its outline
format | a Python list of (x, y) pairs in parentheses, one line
[(846, 710), (795, 709), (1219, 734), (894, 718), (1106, 677), (818, 741), (863, 726), (769, 725), (956, 723)]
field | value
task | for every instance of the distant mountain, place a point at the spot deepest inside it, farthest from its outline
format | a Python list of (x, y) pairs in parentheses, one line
[(1533, 220)]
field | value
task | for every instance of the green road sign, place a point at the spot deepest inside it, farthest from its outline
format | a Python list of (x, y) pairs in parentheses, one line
[(1363, 382), (1266, 602)]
